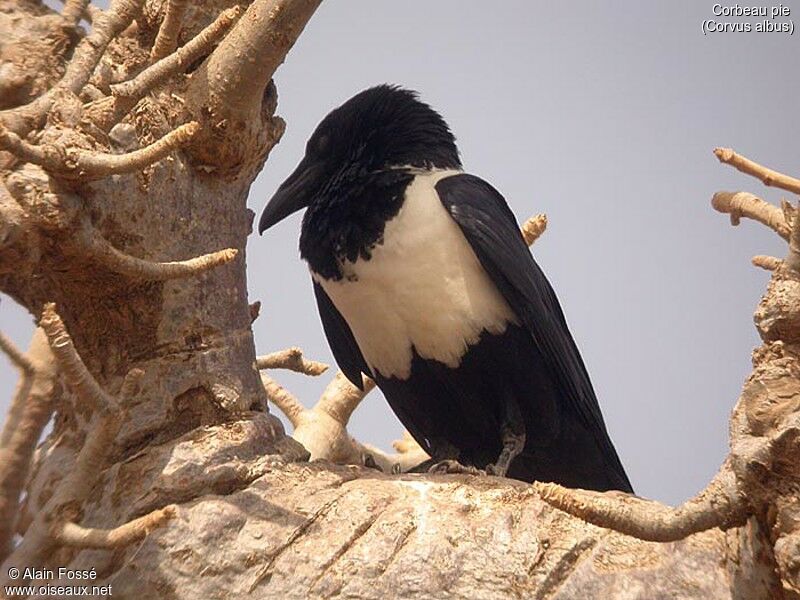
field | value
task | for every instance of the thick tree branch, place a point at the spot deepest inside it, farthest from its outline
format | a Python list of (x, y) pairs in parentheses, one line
[(75, 536), (766, 175), (85, 164), (744, 204), (226, 94), (719, 505), (293, 360)]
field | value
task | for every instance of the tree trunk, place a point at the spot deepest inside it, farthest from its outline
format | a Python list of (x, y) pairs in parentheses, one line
[(125, 165)]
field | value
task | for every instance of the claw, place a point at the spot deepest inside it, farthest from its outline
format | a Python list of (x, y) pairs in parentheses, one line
[(451, 466)]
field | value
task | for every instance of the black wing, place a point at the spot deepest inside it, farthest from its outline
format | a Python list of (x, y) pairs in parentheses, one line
[(494, 234), (343, 345)]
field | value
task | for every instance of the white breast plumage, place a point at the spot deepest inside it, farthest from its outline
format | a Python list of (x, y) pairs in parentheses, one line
[(422, 288)]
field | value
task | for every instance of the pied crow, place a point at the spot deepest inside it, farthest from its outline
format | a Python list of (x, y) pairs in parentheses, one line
[(424, 283)]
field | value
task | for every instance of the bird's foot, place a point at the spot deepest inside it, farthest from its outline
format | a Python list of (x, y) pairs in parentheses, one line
[(513, 444), (451, 467)]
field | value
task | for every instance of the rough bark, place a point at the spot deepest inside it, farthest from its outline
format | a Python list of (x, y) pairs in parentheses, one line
[(124, 169)]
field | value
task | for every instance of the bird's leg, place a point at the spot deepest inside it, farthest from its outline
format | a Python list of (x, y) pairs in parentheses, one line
[(513, 440), (445, 460)]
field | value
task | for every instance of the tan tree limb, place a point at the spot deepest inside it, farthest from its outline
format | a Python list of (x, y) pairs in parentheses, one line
[(768, 263), (226, 94), (744, 204), (341, 397), (23, 426), (70, 363), (87, 55), (291, 359), (179, 60), (768, 176), (86, 164), (73, 11), (245, 61), (75, 536), (167, 37), (533, 228), (283, 399), (100, 250), (719, 505)]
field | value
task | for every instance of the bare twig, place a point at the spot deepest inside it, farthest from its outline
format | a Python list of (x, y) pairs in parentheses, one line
[(71, 365), (293, 360), (719, 505), (744, 204), (768, 176), (533, 228), (100, 250), (768, 263), (167, 38), (85, 164), (75, 536)]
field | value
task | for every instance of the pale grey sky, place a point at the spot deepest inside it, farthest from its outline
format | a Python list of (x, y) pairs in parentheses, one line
[(604, 116)]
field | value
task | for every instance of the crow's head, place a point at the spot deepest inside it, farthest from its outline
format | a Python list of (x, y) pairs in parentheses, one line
[(380, 128)]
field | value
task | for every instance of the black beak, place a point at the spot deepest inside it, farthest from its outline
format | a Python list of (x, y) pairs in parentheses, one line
[(294, 194)]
